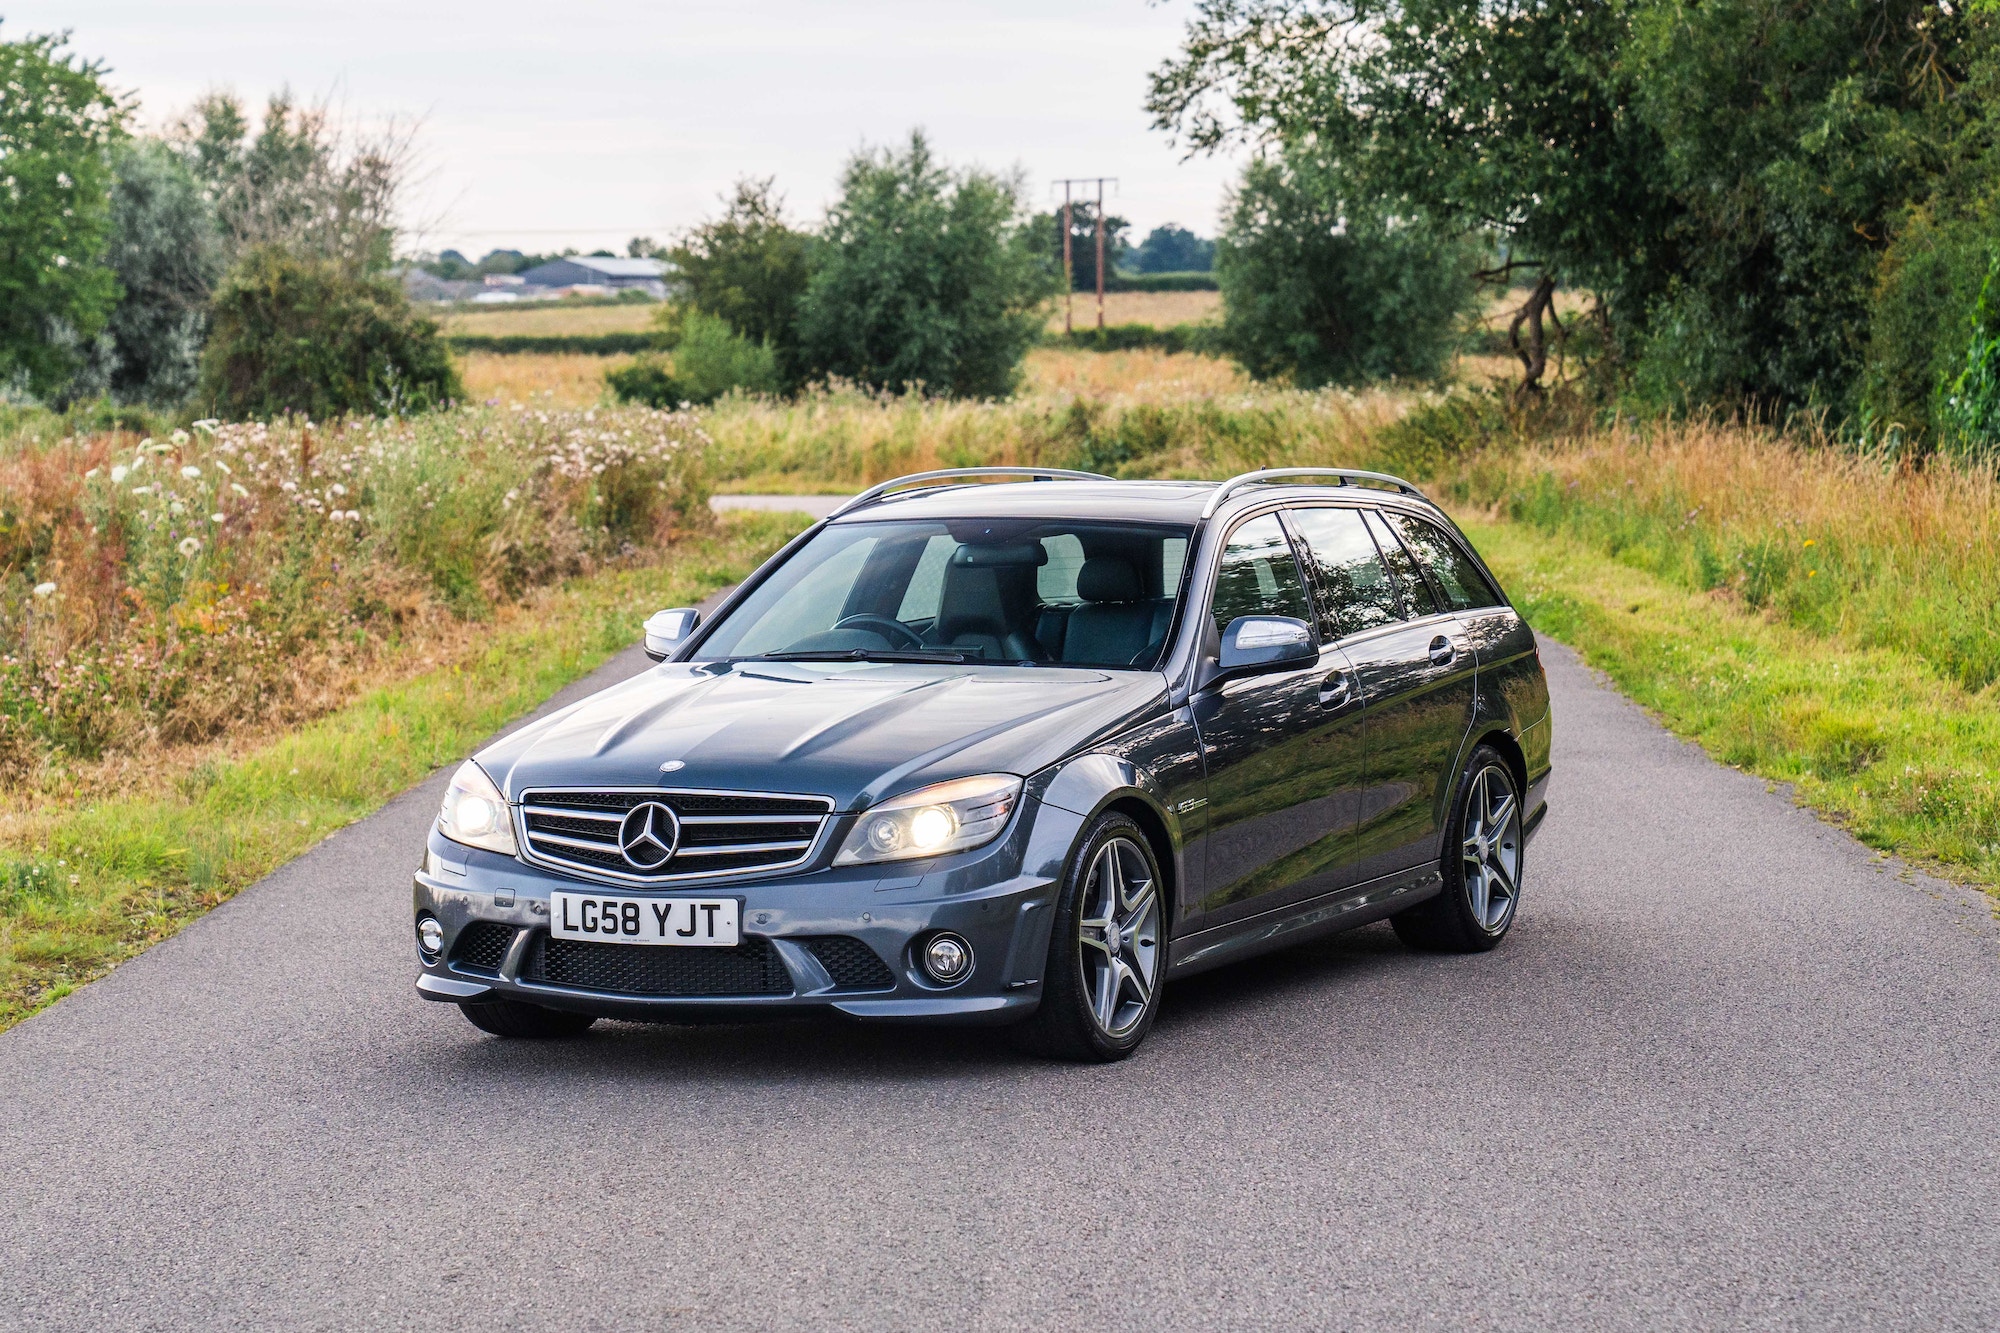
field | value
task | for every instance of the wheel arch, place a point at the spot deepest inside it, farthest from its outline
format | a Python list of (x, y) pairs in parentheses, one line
[(1094, 784), (1510, 749)]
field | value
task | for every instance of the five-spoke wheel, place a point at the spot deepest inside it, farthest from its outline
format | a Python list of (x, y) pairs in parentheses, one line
[(1107, 950), (1481, 866)]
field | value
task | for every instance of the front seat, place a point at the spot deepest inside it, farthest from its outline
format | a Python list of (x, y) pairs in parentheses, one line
[(987, 599), (1115, 625)]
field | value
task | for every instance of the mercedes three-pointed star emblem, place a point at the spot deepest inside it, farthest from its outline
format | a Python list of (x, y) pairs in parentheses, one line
[(649, 835)]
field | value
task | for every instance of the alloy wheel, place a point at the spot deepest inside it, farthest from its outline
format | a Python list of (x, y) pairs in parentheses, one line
[(1118, 931), (1491, 849)]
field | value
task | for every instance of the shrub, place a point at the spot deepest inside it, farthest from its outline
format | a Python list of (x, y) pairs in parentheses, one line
[(305, 336), (1327, 290), (646, 381), (748, 268), (926, 277), (711, 360)]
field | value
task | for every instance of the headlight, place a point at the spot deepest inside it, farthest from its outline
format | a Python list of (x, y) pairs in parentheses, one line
[(475, 813), (950, 817)]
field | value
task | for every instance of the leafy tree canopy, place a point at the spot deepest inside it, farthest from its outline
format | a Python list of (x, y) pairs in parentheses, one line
[(1172, 249), (58, 125), (926, 277), (749, 268)]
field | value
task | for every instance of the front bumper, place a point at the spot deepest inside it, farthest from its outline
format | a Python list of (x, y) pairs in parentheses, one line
[(998, 898)]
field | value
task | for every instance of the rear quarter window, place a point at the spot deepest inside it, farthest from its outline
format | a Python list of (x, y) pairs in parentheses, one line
[(1464, 587)]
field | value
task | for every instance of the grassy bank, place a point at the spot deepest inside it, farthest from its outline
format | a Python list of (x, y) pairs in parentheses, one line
[(1875, 738), (129, 854)]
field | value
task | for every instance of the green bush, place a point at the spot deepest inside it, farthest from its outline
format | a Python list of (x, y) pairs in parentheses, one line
[(1327, 290), (646, 381), (710, 360), (1968, 405), (588, 344), (1203, 338), (925, 278), (292, 335), (748, 268)]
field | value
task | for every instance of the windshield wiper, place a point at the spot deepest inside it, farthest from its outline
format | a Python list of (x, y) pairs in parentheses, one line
[(865, 655)]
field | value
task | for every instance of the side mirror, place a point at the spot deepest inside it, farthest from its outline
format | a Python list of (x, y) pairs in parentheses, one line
[(668, 630), (1254, 645)]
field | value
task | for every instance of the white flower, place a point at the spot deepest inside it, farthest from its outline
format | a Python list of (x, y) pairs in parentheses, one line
[(215, 518), (226, 469), (119, 473), (237, 486), (354, 516), (188, 546), (207, 425), (191, 472), (180, 437), (337, 489), (45, 589), (176, 507), (93, 472)]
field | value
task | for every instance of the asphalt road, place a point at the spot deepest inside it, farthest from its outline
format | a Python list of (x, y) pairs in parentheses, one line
[(1728, 1072)]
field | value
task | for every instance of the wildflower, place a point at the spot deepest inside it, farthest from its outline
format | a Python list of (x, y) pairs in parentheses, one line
[(227, 470), (237, 486), (1812, 541), (354, 516), (189, 546), (93, 472), (207, 425), (179, 437), (338, 489), (119, 473), (191, 472), (1812, 573), (45, 589), (215, 518)]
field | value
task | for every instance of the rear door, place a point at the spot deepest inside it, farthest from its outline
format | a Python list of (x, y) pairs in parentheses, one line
[(1283, 751), (1416, 676)]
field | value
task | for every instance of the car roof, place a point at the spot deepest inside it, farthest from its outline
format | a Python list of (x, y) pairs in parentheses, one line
[(1127, 501)]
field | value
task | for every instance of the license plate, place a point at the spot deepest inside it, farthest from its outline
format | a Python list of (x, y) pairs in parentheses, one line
[(683, 921)]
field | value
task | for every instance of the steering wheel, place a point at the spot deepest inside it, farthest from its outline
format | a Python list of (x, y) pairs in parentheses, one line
[(892, 630)]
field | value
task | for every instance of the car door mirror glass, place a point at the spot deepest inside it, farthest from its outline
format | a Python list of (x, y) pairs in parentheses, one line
[(668, 630), (1255, 644)]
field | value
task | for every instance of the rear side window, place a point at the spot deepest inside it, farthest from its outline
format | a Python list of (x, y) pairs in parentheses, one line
[(1462, 583), (1257, 576), (1347, 572), (1403, 566)]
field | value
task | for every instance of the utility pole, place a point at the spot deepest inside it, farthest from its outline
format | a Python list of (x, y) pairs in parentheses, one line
[(1069, 275)]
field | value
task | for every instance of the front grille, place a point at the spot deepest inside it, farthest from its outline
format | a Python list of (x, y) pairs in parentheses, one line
[(482, 946), (851, 964), (721, 833), (751, 968)]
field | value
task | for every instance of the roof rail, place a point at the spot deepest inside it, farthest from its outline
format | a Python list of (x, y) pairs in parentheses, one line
[(1347, 477), (926, 479)]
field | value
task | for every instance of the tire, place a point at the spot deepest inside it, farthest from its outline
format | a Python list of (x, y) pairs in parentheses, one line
[(1481, 865), (515, 1018), (1107, 950)]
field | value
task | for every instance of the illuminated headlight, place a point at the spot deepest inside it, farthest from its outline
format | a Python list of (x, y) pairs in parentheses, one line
[(950, 817), (475, 813)]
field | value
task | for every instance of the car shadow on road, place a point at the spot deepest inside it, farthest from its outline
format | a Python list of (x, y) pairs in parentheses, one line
[(834, 1048)]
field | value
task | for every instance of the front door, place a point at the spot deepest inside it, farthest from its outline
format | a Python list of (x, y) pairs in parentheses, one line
[(1283, 751)]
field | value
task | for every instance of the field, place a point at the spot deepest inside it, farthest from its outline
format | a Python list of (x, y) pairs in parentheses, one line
[(1162, 310)]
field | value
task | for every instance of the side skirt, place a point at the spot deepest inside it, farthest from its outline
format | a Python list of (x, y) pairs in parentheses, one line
[(1296, 923)]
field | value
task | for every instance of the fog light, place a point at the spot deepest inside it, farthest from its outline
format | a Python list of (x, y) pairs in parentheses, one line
[(430, 936), (947, 959)]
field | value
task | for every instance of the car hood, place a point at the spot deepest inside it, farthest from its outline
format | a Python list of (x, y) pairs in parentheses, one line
[(856, 732)]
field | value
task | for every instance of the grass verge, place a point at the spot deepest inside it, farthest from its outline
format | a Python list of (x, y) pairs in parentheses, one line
[(1874, 738), (86, 884)]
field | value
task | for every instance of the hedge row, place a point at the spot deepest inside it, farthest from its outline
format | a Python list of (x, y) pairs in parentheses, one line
[(592, 344), (1203, 338)]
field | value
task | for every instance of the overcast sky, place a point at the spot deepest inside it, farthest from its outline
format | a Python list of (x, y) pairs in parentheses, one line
[(589, 121)]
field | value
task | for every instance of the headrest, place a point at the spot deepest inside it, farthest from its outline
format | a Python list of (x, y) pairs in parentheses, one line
[(1005, 553), (1107, 578)]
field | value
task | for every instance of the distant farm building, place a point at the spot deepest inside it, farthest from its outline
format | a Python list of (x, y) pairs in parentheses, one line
[(599, 271)]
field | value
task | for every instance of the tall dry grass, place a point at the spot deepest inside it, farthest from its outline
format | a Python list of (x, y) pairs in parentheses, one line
[(1879, 554)]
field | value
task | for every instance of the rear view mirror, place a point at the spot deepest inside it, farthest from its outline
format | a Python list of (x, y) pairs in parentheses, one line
[(668, 630), (1256, 644)]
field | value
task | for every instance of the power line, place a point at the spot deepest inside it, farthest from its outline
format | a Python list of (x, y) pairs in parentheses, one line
[(1069, 277)]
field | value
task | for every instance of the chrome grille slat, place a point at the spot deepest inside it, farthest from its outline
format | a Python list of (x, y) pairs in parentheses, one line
[(723, 833)]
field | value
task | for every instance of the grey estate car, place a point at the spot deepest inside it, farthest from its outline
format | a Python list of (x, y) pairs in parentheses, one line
[(1010, 754)]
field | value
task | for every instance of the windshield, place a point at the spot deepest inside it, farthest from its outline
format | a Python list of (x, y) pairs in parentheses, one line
[(1059, 591)]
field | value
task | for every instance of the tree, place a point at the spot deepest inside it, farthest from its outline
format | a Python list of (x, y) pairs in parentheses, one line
[(1322, 286), (300, 180), (308, 336), (1173, 249), (58, 124), (926, 277), (167, 255), (749, 268)]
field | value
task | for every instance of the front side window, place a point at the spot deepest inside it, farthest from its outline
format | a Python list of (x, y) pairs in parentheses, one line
[(1074, 592), (1355, 593), (1464, 587), (1257, 575)]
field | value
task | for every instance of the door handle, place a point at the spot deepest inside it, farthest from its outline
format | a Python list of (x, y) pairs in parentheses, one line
[(1333, 691), (1442, 651)]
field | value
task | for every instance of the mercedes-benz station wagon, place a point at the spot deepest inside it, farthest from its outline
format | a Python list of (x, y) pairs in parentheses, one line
[(1012, 747)]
